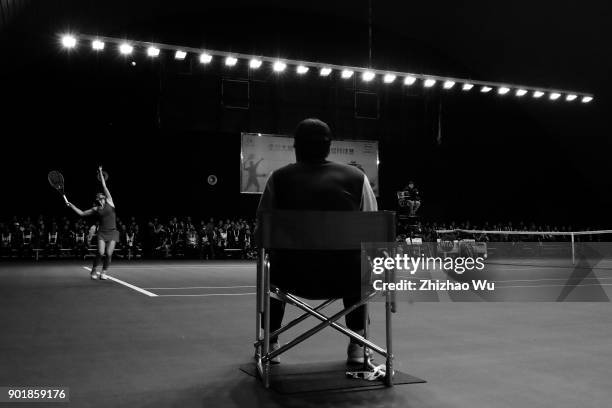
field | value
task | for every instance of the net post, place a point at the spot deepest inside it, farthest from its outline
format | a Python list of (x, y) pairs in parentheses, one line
[(573, 250)]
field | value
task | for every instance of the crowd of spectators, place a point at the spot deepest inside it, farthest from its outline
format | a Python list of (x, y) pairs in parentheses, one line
[(156, 238), (213, 238)]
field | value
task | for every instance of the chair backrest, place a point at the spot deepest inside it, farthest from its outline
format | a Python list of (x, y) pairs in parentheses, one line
[(323, 230)]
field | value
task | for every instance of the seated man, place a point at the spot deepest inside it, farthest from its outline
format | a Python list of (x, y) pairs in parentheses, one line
[(413, 197), (313, 183)]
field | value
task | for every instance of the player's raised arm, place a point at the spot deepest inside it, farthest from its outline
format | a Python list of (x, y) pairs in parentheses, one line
[(109, 198), (80, 212)]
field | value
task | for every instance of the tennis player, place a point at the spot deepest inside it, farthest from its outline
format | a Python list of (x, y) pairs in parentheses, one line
[(108, 234)]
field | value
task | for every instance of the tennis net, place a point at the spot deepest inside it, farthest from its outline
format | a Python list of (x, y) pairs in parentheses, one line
[(558, 244)]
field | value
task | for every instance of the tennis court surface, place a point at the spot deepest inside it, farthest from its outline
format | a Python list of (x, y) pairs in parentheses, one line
[(173, 334)]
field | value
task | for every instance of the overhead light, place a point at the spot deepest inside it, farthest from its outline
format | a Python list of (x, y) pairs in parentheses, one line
[(538, 94), (485, 89), (448, 84), (346, 73), (502, 90), (368, 76), (230, 61), (429, 82), (571, 97), (409, 80), (205, 58), (126, 49), (587, 99), (325, 71), (521, 92), (152, 52), (467, 86), (69, 41), (97, 45), (301, 69), (388, 78), (180, 55), (279, 66), (255, 63)]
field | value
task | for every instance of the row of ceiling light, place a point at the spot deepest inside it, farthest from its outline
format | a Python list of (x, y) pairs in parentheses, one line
[(70, 41)]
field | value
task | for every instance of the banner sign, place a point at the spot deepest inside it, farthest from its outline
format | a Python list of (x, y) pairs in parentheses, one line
[(262, 154)]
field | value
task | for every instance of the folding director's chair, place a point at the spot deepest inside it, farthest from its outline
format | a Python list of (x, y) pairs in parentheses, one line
[(320, 231)]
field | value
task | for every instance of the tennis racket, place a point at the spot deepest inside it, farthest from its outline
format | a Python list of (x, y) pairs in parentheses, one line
[(57, 182), (105, 175)]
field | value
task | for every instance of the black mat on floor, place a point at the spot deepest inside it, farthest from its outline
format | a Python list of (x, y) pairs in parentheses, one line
[(325, 376)]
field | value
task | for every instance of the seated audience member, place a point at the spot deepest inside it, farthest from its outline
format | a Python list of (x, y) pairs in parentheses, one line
[(6, 242), (413, 197)]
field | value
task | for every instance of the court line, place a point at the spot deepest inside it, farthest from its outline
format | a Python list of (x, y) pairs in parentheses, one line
[(129, 285), (553, 286), (209, 294), (522, 280), (201, 287), (187, 267)]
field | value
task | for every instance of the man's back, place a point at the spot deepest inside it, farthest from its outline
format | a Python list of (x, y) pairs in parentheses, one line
[(317, 186), (324, 186)]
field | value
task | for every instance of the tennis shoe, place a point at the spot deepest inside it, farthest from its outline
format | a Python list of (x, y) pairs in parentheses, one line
[(94, 275), (103, 276)]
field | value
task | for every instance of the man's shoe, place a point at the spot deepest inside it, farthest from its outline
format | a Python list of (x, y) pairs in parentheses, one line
[(93, 275), (103, 276)]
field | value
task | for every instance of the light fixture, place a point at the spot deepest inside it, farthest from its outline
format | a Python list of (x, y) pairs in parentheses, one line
[(126, 49), (367, 76), (409, 80), (388, 78), (521, 92), (448, 84), (325, 71), (152, 52), (97, 45), (69, 41), (279, 66), (346, 73)]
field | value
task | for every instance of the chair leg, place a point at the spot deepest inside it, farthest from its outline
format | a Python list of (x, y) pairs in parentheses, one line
[(389, 308), (259, 311), (365, 335), (326, 321), (294, 322), (266, 323)]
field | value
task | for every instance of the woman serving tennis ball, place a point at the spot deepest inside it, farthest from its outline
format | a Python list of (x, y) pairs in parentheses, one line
[(108, 234)]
